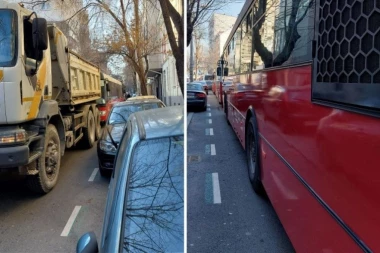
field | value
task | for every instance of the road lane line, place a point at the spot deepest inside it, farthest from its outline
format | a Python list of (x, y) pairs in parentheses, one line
[(207, 131), (211, 131), (216, 189), (71, 220), (213, 151), (210, 121), (208, 105), (93, 175), (208, 109), (209, 114), (189, 117)]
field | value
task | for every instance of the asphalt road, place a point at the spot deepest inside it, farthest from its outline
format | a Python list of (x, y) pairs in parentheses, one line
[(223, 212), (36, 224)]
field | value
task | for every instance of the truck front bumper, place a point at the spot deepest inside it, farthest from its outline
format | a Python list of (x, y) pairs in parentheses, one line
[(14, 156)]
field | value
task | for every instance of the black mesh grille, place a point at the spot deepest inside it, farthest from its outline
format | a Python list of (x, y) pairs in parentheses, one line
[(348, 41)]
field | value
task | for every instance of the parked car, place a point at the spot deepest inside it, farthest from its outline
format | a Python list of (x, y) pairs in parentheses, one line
[(204, 85), (105, 107), (142, 97), (196, 97), (209, 84), (113, 131), (145, 203)]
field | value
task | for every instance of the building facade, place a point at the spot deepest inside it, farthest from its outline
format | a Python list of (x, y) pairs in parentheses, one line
[(162, 74)]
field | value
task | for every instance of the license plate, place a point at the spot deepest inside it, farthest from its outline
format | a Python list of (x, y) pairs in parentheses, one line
[(190, 95)]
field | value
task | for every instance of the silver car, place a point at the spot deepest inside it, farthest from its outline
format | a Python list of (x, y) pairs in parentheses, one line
[(144, 209)]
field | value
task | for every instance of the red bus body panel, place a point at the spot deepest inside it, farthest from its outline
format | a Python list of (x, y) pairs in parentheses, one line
[(336, 152)]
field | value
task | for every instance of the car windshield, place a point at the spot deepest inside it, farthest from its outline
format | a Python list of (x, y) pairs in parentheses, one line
[(8, 31), (120, 114), (194, 86), (228, 83), (209, 77), (154, 219)]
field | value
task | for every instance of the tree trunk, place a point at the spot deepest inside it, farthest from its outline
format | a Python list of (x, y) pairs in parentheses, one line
[(169, 14), (143, 82)]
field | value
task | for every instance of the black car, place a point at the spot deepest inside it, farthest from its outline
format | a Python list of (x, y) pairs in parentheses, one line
[(114, 129), (196, 97)]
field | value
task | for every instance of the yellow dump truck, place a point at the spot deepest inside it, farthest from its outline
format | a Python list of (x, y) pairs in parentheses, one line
[(47, 97)]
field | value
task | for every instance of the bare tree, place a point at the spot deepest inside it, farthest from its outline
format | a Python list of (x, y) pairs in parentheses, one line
[(124, 34), (172, 17)]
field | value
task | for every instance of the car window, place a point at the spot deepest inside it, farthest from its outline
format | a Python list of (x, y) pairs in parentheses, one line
[(120, 114), (153, 213), (194, 86)]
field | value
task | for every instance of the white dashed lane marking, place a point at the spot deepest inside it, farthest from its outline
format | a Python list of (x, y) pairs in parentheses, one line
[(209, 114), (213, 151), (209, 131), (216, 188), (210, 121), (93, 175), (71, 221)]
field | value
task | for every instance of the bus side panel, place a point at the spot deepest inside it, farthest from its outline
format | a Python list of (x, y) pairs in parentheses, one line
[(334, 151), (308, 225)]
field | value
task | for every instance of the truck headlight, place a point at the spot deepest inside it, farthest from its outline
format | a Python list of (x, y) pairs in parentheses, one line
[(107, 146), (18, 136)]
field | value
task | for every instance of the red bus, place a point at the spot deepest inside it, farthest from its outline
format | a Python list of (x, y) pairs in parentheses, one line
[(305, 105)]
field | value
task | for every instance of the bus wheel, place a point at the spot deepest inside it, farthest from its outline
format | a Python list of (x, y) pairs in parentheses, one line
[(48, 164), (252, 151), (226, 108)]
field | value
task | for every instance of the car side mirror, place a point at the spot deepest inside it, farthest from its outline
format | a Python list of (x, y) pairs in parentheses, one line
[(88, 243)]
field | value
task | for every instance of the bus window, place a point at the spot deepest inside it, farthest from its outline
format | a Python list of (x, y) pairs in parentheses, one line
[(346, 64)]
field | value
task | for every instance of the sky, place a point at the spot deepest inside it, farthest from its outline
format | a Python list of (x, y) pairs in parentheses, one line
[(232, 9)]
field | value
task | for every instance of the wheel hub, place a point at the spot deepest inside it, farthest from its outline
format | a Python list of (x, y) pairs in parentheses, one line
[(51, 158)]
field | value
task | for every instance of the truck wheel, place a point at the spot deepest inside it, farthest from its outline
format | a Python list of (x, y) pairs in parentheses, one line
[(48, 164), (252, 150), (98, 128), (89, 132)]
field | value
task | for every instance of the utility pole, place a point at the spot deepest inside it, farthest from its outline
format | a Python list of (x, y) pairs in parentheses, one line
[(191, 59)]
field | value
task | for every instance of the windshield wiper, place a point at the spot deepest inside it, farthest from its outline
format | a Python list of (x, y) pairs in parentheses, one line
[(112, 140)]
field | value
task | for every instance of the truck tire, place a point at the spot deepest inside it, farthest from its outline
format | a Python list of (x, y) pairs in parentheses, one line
[(48, 164), (98, 128), (89, 131)]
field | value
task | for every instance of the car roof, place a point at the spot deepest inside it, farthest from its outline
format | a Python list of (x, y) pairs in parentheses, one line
[(138, 101), (162, 122), (142, 97)]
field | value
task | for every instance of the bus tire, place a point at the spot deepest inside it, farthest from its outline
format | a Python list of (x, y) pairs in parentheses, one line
[(98, 128), (252, 148), (48, 164), (226, 108), (89, 131)]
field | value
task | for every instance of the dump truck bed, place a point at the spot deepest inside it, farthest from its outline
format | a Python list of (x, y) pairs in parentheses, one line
[(75, 80)]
